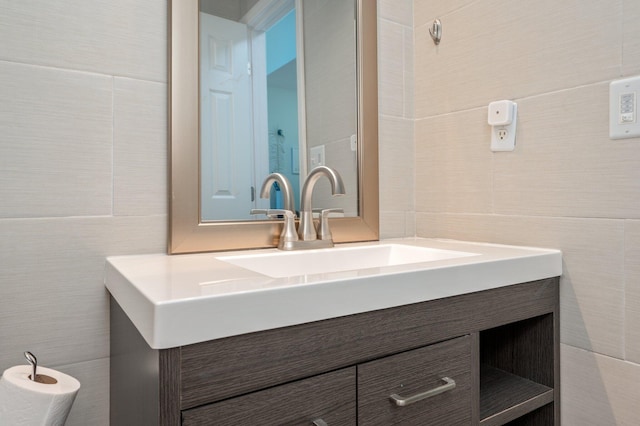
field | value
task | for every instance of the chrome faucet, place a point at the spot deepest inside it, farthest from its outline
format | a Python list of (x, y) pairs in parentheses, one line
[(307, 237), (285, 187), (289, 234), (307, 230)]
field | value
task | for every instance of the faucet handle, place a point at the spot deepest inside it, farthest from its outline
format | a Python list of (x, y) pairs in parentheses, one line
[(289, 233), (324, 233)]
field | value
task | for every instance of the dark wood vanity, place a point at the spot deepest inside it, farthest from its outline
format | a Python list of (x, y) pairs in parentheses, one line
[(499, 346)]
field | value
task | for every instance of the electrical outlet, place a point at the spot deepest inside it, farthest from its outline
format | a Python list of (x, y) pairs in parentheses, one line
[(502, 117)]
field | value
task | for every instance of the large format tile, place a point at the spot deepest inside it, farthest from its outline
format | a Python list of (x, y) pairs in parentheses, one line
[(392, 224), (499, 49), (116, 37), (632, 290), (565, 164), (598, 390), (592, 285), (391, 64), (631, 40), (453, 163), (399, 11), (396, 164), (140, 148), (52, 296), (425, 11), (465, 227), (91, 406), (55, 150)]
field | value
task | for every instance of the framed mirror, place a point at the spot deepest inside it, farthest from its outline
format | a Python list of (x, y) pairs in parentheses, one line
[(329, 78)]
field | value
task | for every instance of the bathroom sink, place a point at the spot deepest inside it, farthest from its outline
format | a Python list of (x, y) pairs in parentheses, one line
[(181, 300), (338, 259)]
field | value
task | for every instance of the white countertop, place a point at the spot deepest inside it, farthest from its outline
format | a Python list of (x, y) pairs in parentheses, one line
[(176, 300)]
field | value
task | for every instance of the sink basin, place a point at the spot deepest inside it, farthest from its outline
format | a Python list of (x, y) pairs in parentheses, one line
[(338, 259)]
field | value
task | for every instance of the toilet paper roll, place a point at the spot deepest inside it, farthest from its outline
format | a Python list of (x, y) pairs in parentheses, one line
[(46, 401)]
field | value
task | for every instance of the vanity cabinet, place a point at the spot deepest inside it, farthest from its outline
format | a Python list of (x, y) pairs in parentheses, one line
[(500, 347), (328, 398)]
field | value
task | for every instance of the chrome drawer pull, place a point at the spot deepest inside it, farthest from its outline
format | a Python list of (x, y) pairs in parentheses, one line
[(320, 422), (402, 401)]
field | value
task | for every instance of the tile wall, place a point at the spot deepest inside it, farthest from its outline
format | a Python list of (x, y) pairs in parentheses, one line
[(567, 185), (83, 168), (82, 175)]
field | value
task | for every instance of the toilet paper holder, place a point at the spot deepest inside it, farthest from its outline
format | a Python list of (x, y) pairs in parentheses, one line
[(34, 364)]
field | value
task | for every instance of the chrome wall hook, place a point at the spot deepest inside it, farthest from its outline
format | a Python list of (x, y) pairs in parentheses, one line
[(436, 31)]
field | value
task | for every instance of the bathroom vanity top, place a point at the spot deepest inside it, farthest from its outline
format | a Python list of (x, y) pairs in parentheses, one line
[(176, 300)]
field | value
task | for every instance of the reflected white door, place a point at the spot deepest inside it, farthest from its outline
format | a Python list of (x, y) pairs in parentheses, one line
[(225, 120)]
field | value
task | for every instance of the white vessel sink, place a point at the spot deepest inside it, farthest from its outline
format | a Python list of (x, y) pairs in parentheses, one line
[(184, 299), (338, 259)]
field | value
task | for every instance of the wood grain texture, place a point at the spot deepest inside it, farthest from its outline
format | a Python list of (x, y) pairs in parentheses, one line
[(169, 387), (505, 396), (224, 368), (413, 372), (330, 397), (524, 348)]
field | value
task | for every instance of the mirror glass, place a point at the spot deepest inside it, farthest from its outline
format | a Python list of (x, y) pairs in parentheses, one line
[(261, 86), (277, 94)]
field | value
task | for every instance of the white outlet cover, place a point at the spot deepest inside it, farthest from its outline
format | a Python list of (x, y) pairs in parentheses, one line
[(623, 108), (316, 156), (500, 141)]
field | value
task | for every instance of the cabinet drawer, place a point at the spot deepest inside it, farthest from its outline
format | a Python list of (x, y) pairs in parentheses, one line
[(330, 397), (413, 373)]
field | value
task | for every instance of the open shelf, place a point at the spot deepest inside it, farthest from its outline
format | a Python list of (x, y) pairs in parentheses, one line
[(505, 396), (517, 373)]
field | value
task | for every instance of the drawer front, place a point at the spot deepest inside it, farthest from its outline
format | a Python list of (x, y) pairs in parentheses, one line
[(412, 374), (328, 398)]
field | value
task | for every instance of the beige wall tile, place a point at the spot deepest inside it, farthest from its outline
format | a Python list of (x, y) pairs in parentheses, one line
[(454, 163), (409, 74), (399, 11), (392, 224), (598, 390), (396, 164), (91, 406), (118, 37), (592, 285), (465, 227), (632, 290), (427, 10), (564, 163), (55, 150), (391, 38), (52, 298), (631, 41), (498, 49), (140, 148)]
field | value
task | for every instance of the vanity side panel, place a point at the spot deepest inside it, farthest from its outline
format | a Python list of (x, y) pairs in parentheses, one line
[(134, 374), (170, 387), (215, 370)]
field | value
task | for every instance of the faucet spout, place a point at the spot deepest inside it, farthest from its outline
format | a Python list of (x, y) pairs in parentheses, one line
[(307, 230), (285, 187)]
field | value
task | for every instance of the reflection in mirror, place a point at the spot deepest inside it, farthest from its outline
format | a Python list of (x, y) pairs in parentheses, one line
[(277, 94), (313, 100)]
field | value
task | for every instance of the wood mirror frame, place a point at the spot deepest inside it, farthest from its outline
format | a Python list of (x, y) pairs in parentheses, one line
[(187, 234)]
